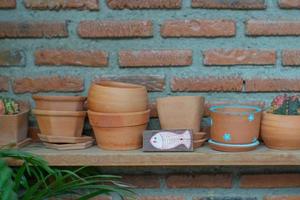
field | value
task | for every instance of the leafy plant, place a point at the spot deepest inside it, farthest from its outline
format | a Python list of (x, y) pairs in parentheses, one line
[(35, 180), (285, 105), (8, 106)]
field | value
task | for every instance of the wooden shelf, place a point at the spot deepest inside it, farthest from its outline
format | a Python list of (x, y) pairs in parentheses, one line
[(201, 157)]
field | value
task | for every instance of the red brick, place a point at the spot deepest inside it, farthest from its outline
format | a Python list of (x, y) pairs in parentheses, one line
[(48, 84), (272, 28), (115, 29), (198, 28), (142, 181), (144, 4), (33, 133), (4, 83), (291, 57), (152, 83), (286, 197), (239, 57), (12, 58), (272, 85), (270, 181), (161, 198), (8, 4), (153, 110), (229, 4), (207, 84), (13, 29), (70, 57), (226, 198), (199, 181), (289, 4), (155, 58), (58, 4)]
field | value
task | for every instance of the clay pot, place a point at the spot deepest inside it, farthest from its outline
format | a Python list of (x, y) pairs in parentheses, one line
[(13, 128), (117, 97), (61, 103), (180, 112), (235, 124), (119, 131), (281, 131), (60, 123)]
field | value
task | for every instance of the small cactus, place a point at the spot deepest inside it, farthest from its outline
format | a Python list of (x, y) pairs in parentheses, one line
[(8, 106), (285, 105)]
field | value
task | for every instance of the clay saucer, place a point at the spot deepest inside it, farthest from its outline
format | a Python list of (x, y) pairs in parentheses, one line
[(199, 143), (62, 139), (232, 147), (83, 145)]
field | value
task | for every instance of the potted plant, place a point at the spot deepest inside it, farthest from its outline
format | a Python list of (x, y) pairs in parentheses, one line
[(280, 128), (13, 121)]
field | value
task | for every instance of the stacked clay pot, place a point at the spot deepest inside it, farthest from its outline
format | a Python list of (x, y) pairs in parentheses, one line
[(60, 116), (118, 113)]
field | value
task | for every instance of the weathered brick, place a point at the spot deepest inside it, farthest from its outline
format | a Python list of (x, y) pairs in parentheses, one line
[(286, 197), (155, 58), (207, 84), (48, 84), (198, 28), (59, 4), (199, 181), (153, 110), (4, 83), (225, 198), (229, 4), (239, 57), (154, 83), (115, 29), (270, 180), (12, 58), (93, 58), (144, 4), (161, 198), (14, 29), (272, 85), (142, 181), (291, 57), (272, 28), (289, 4), (8, 4)]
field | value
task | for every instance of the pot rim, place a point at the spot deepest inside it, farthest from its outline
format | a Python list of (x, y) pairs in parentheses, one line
[(58, 98), (255, 108), (119, 114), (20, 113), (178, 97), (234, 145), (118, 85), (59, 113)]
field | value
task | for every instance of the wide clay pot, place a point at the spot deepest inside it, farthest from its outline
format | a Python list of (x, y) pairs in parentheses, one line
[(119, 131), (235, 124), (281, 131), (117, 97), (13, 128), (60, 123), (61, 103), (180, 112)]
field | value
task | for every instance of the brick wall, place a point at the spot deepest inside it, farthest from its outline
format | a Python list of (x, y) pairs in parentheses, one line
[(226, 50)]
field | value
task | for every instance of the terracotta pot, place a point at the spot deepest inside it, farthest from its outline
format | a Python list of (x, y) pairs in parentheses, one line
[(61, 103), (119, 131), (180, 112), (281, 131), (235, 124), (13, 128), (60, 123), (117, 97)]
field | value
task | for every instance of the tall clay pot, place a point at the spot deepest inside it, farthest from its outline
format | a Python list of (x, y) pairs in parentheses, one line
[(235, 124), (281, 131), (180, 112)]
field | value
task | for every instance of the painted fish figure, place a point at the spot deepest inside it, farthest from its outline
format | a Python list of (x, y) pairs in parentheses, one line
[(167, 140)]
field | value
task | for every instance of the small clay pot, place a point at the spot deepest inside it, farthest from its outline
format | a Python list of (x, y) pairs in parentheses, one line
[(180, 112), (281, 131), (61, 103), (60, 123), (119, 131), (117, 97), (235, 124)]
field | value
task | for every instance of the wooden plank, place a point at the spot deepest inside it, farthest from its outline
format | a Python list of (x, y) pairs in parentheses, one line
[(203, 156)]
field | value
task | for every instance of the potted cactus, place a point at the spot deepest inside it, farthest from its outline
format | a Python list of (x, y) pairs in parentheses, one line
[(280, 128), (13, 122)]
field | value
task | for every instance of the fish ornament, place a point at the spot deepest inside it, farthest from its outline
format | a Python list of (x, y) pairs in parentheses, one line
[(167, 140)]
